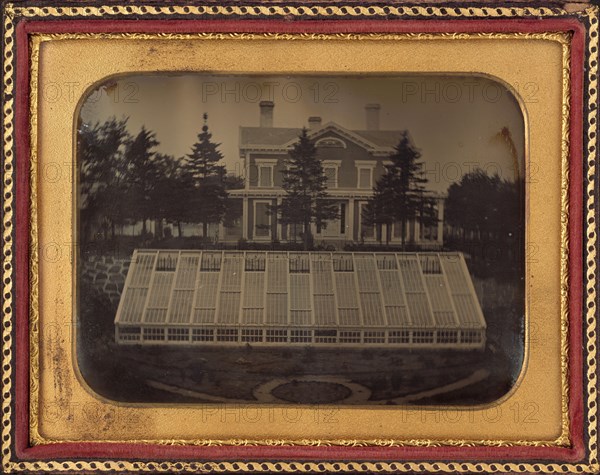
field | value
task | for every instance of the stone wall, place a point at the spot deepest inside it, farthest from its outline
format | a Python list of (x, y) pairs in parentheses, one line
[(106, 275)]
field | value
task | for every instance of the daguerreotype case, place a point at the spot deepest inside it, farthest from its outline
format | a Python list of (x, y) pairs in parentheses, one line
[(276, 237)]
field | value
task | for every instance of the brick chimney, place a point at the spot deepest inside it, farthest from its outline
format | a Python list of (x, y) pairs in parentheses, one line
[(372, 115), (266, 113), (314, 123)]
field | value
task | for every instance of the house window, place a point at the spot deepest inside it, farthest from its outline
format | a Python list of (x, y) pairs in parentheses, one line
[(293, 231), (331, 170), (334, 227), (233, 228), (429, 232), (265, 176), (366, 231), (264, 168), (331, 175), (397, 234), (262, 219), (365, 178), (330, 142)]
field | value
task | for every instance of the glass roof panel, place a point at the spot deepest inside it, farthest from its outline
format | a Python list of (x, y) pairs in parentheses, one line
[(425, 290)]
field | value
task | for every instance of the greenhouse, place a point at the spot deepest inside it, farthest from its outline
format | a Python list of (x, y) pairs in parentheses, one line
[(299, 298)]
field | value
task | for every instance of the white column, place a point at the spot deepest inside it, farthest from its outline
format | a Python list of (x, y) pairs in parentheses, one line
[(440, 224), (279, 225), (245, 217), (221, 232), (247, 170), (350, 221), (417, 231)]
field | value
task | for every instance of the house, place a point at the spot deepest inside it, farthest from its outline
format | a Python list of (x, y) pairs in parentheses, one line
[(353, 160)]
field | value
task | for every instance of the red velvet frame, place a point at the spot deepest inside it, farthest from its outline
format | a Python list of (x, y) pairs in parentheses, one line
[(93, 450)]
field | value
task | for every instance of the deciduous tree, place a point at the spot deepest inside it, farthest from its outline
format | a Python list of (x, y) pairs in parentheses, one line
[(140, 156), (103, 174)]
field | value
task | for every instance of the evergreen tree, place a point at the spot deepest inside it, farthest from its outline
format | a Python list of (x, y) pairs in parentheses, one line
[(208, 202), (305, 184), (380, 209), (399, 195)]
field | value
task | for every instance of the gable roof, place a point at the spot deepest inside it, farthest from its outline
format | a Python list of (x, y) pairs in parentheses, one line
[(267, 135), (284, 137), (383, 138)]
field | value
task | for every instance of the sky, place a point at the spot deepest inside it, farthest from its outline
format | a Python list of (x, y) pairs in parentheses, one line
[(453, 120)]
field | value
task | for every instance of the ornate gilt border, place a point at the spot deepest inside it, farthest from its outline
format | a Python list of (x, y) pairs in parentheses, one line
[(322, 11), (561, 38), (590, 255)]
